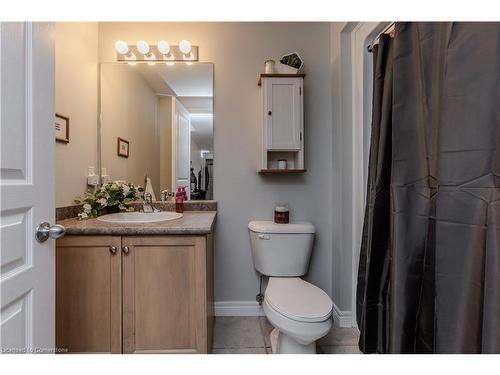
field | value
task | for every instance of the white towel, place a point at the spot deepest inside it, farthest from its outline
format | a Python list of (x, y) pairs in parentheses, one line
[(149, 188)]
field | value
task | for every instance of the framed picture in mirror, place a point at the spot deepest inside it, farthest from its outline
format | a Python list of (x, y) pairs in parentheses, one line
[(122, 147), (62, 128)]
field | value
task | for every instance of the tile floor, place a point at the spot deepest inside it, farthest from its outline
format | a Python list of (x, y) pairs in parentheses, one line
[(250, 335)]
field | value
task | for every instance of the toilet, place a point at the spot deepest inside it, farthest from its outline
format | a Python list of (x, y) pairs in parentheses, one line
[(300, 312)]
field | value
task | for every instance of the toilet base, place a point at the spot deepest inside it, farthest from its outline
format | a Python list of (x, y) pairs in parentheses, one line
[(283, 344)]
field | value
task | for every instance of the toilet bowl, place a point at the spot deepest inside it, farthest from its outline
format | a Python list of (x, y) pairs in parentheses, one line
[(300, 312)]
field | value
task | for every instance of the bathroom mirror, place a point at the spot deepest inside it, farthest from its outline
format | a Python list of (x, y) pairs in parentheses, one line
[(157, 123)]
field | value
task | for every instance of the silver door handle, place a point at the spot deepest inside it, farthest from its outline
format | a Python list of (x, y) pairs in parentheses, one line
[(125, 250), (45, 231)]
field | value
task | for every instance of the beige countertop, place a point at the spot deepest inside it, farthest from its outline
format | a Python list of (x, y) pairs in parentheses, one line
[(192, 223)]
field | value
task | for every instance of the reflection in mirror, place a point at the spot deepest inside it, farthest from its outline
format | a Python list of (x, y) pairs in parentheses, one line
[(157, 122)]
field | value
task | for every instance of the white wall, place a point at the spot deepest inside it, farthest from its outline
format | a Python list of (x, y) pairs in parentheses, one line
[(129, 110), (341, 167), (76, 98), (238, 51), (351, 100)]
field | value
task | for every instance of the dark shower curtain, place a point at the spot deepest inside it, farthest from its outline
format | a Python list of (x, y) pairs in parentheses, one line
[(429, 272)]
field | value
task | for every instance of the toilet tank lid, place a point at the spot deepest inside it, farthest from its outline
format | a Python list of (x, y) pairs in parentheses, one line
[(272, 227)]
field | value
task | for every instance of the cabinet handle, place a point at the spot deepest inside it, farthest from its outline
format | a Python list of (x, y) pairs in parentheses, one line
[(125, 249), (113, 249), (269, 113)]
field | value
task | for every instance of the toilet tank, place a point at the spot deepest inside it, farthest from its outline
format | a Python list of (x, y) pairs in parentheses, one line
[(281, 249)]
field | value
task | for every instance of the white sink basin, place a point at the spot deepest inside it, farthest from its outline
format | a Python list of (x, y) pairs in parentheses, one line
[(139, 217)]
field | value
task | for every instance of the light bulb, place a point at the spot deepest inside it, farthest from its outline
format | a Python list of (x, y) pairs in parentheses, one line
[(143, 47), (185, 46), (163, 47), (121, 47)]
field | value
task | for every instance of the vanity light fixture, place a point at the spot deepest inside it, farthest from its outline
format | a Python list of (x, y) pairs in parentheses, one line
[(151, 54), (143, 47), (164, 48), (121, 47), (131, 58), (151, 58), (185, 46)]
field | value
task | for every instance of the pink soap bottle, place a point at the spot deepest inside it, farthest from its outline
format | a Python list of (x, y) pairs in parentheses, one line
[(179, 200)]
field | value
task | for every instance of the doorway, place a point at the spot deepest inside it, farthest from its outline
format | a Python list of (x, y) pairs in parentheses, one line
[(353, 145)]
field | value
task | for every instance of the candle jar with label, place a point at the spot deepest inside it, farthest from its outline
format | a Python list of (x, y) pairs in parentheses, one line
[(281, 215)]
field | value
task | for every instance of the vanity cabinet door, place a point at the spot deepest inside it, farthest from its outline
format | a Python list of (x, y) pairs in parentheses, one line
[(88, 294), (165, 294)]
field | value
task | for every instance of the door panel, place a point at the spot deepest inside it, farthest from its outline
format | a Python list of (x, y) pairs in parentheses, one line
[(27, 172), (164, 288), (16, 255), (88, 289), (283, 108)]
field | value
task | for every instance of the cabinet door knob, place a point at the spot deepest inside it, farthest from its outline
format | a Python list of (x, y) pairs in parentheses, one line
[(269, 113), (113, 249), (125, 249)]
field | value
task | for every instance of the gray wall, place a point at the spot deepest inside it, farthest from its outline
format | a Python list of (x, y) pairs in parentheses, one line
[(238, 51)]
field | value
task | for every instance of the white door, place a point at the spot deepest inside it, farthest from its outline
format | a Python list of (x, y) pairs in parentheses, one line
[(182, 147), (283, 113), (27, 186)]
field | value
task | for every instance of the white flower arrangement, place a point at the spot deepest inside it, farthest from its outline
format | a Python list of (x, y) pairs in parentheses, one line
[(117, 195)]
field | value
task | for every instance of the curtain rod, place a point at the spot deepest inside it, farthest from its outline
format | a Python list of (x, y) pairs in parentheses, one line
[(386, 30)]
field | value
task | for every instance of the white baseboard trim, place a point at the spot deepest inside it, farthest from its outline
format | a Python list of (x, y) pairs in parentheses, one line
[(238, 308), (343, 318)]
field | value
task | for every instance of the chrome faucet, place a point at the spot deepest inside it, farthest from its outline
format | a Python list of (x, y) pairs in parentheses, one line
[(164, 195), (147, 206)]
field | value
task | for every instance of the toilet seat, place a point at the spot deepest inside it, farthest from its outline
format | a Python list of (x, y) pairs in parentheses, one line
[(298, 300)]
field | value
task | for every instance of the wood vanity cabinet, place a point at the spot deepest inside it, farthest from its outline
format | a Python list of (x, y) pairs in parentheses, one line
[(88, 294), (154, 294)]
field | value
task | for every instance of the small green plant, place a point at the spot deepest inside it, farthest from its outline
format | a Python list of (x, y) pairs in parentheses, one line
[(113, 195)]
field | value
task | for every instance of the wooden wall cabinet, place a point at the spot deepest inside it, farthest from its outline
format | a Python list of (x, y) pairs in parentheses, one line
[(134, 294), (282, 122)]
